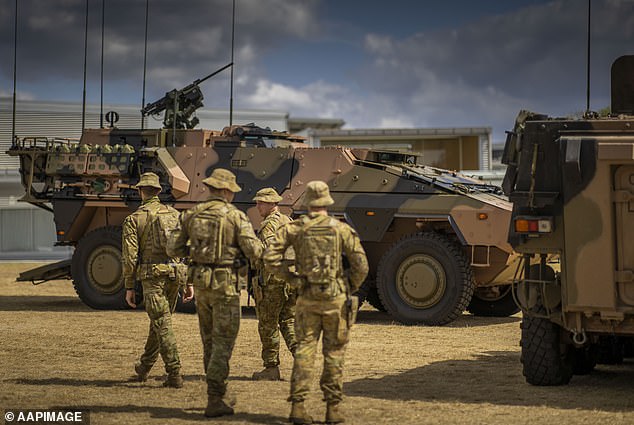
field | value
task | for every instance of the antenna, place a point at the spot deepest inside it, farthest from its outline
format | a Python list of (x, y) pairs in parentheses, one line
[(103, 16), (588, 59), (233, 34), (83, 100), (15, 67), (147, 8)]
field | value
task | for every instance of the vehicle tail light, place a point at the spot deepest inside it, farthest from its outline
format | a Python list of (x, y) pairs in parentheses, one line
[(534, 225)]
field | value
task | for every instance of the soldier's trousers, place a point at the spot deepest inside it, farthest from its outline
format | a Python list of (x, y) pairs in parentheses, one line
[(312, 318), (159, 297), (219, 320), (276, 313)]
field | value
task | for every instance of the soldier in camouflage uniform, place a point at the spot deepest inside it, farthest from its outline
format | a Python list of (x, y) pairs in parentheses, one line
[(324, 303), (145, 259), (216, 236), (275, 301)]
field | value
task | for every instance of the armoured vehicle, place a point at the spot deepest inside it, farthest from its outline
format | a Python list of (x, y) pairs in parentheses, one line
[(572, 187), (436, 240)]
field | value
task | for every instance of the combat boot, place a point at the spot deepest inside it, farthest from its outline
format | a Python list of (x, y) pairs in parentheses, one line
[(299, 416), (268, 374), (216, 406), (141, 373), (334, 415), (174, 380)]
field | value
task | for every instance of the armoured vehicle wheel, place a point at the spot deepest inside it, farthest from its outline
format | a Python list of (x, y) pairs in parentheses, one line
[(368, 293), (96, 269), (425, 278), (546, 360), (181, 307), (374, 299), (494, 301)]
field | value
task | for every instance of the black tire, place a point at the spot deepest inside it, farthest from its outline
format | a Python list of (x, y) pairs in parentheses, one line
[(374, 300), (545, 359), (425, 279), (493, 302), (182, 307), (367, 292), (96, 269)]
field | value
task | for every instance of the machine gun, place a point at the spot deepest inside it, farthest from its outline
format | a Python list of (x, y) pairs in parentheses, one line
[(180, 105)]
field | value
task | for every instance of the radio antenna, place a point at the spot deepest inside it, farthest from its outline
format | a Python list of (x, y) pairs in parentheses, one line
[(103, 19), (15, 67), (233, 33), (588, 59), (83, 99), (147, 8)]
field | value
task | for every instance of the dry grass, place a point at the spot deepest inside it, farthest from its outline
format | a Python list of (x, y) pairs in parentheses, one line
[(55, 352)]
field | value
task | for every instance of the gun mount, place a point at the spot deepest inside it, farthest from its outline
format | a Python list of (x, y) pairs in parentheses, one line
[(180, 105)]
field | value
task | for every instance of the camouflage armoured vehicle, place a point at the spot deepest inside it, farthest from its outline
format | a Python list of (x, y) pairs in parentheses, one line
[(436, 241), (572, 187)]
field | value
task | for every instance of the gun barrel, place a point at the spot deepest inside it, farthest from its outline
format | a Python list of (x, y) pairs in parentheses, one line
[(230, 64)]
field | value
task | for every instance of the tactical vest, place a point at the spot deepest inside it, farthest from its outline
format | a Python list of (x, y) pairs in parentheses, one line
[(155, 232), (319, 250), (206, 229)]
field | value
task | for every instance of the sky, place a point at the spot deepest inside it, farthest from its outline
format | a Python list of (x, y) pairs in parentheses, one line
[(374, 64)]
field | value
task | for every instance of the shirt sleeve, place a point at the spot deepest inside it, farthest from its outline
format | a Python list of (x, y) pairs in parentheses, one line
[(269, 227), (177, 242), (129, 251), (274, 254), (356, 256), (248, 242)]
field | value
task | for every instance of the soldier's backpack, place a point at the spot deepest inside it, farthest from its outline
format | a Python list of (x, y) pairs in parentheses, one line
[(164, 223), (206, 229), (320, 250)]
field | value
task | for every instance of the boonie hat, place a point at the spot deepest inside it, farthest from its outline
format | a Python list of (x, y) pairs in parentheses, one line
[(148, 180), (317, 194), (222, 179), (267, 194)]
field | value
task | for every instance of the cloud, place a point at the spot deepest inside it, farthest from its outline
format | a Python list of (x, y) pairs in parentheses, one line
[(194, 38), (19, 95), (483, 73), (477, 74)]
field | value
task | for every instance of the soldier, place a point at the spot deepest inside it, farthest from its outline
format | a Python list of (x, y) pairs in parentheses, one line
[(145, 234), (217, 237), (324, 303), (275, 302)]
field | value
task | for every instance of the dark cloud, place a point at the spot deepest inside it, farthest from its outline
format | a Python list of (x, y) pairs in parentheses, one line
[(187, 39), (484, 72), (477, 72)]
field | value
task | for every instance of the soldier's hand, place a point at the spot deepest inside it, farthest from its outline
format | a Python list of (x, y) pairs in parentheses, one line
[(188, 293), (130, 294)]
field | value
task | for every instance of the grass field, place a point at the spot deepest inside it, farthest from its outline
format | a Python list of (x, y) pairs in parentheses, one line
[(57, 353)]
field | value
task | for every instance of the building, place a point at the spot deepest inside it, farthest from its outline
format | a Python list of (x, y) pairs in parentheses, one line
[(449, 148)]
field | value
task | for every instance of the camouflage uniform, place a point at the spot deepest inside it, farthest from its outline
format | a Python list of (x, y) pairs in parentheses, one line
[(320, 307), (216, 281), (145, 259), (275, 300)]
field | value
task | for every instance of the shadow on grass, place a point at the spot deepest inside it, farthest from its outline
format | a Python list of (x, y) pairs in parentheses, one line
[(465, 320), (496, 378), (194, 415), (42, 303), (152, 381)]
